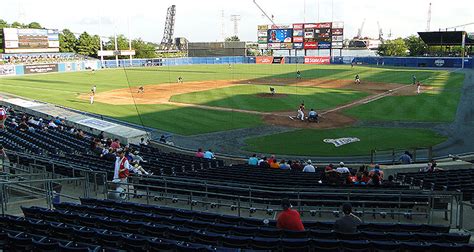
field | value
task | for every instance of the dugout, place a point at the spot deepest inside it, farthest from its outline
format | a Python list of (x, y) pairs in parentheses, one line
[(216, 49), (446, 41)]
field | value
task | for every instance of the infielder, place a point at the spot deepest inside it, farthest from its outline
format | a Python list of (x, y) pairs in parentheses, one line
[(357, 79), (418, 87), (141, 90)]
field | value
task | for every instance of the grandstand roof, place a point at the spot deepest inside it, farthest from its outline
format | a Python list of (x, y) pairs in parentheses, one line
[(453, 38)]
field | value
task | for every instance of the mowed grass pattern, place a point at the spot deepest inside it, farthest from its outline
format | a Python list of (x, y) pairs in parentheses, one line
[(436, 105), (247, 97), (310, 142)]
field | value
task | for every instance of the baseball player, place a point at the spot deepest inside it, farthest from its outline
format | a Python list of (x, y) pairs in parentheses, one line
[(418, 87), (301, 112), (141, 90), (93, 89), (298, 75), (180, 79), (357, 79), (272, 90), (91, 98), (413, 77), (3, 117)]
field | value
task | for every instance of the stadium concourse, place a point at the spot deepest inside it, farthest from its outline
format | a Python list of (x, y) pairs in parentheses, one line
[(64, 189)]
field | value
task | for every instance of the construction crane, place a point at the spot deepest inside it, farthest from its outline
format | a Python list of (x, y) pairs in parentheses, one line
[(380, 32), (264, 13), (359, 31), (428, 22), (167, 41), (463, 25)]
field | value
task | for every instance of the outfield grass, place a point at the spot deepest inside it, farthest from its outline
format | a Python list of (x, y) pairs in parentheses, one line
[(245, 97), (310, 142), (438, 105)]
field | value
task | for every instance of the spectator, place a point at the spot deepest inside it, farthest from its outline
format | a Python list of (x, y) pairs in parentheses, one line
[(262, 159), (109, 155), (52, 125), (270, 160), (376, 170), (208, 154), (3, 160), (289, 219), (275, 164), (115, 144), (101, 136), (359, 180), (199, 153), (122, 167), (23, 126), (309, 167), (405, 158), (138, 169), (162, 139), (375, 180), (348, 223), (296, 166), (253, 160), (390, 182), (3, 117), (330, 167), (264, 163), (143, 141), (284, 165), (342, 168)]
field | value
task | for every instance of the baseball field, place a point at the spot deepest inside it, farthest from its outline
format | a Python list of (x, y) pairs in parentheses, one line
[(222, 98)]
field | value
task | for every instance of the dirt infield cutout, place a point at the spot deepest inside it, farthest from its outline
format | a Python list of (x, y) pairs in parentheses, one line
[(161, 94)]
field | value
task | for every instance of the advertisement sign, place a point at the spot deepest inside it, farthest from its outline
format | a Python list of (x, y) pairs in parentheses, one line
[(280, 26), (324, 25), (278, 60), (286, 45), (262, 34), (317, 60), (262, 27), (327, 39), (298, 26), (338, 31), (324, 35), (298, 33), (337, 38), (337, 45), (43, 68), (7, 70), (264, 59), (324, 45), (90, 64), (298, 46), (309, 34), (274, 45), (310, 26), (262, 40), (297, 39), (311, 45), (68, 66), (280, 35), (263, 46), (337, 25)]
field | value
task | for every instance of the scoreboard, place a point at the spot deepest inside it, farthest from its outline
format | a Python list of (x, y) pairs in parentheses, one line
[(308, 36), (30, 40)]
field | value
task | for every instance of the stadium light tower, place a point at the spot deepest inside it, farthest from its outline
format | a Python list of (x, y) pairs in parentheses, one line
[(428, 22), (235, 19), (167, 41)]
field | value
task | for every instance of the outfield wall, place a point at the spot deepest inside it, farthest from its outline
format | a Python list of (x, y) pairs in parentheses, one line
[(15, 70)]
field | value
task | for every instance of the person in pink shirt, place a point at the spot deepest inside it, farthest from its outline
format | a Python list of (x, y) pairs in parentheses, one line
[(115, 144), (199, 153)]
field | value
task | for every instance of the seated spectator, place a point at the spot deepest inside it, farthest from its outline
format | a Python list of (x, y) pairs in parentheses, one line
[(405, 158), (115, 144), (57, 121), (330, 167), (333, 177), (253, 160), (289, 219), (80, 135), (270, 160), (359, 180), (136, 157), (143, 141), (138, 169), (263, 163), (284, 165), (390, 181), (342, 168), (348, 223), (296, 166), (101, 136), (275, 164), (109, 155), (209, 154), (52, 125), (365, 177), (32, 121), (162, 139), (23, 126), (199, 153), (375, 180), (309, 167), (376, 170)]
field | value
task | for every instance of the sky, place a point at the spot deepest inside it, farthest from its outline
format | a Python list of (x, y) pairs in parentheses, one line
[(203, 20)]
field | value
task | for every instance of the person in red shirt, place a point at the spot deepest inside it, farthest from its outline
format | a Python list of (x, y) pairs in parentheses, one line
[(289, 219), (3, 117)]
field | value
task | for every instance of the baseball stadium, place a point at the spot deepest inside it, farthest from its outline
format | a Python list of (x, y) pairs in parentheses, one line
[(308, 136)]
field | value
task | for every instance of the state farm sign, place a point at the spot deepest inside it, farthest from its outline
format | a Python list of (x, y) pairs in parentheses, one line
[(318, 60)]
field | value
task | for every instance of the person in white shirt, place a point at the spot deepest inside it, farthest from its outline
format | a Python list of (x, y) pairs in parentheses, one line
[(342, 168), (309, 167), (122, 167)]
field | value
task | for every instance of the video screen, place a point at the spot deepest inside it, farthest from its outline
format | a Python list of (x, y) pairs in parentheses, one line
[(280, 36)]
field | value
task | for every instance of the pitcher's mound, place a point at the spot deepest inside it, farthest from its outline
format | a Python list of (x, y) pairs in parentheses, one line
[(268, 95)]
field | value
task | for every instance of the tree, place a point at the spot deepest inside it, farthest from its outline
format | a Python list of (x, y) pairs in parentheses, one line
[(17, 25), (143, 49), (67, 41), (231, 39), (3, 24), (87, 45), (34, 25), (122, 43), (416, 46), (396, 47)]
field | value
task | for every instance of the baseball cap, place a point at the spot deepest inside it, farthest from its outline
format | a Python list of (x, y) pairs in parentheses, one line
[(309, 161), (341, 163)]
